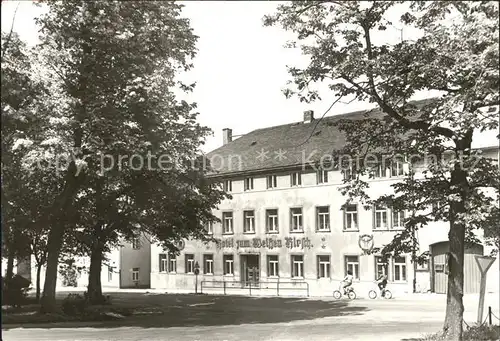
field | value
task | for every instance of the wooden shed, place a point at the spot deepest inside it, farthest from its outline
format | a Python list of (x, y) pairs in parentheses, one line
[(439, 271)]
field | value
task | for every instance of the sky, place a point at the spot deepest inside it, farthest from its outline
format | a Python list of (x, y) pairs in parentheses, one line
[(240, 68)]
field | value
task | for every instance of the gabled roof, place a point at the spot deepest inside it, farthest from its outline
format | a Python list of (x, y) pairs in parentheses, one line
[(297, 143)]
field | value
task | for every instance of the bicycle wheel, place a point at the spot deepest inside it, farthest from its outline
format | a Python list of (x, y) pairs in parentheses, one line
[(337, 294), (351, 295), (388, 294), (372, 294)]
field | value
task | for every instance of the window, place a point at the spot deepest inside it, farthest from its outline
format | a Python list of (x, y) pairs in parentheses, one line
[(322, 177), (167, 263), (397, 167), (227, 222), (352, 265), (323, 218), (228, 264), (208, 264), (136, 243), (380, 171), (172, 263), (189, 266), (248, 222), (297, 266), (209, 227), (398, 218), (380, 217), (296, 179), (135, 274), (163, 262), (272, 181), (272, 266), (248, 184), (272, 221), (296, 219), (351, 217), (399, 269), (323, 266), (110, 273), (350, 172), (380, 267), (228, 186)]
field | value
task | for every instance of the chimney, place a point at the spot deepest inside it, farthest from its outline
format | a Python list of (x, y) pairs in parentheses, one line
[(308, 116), (227, 136)]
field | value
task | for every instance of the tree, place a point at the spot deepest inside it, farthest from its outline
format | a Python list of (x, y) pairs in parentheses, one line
[(112, 68), (21, 95), (454, 56)]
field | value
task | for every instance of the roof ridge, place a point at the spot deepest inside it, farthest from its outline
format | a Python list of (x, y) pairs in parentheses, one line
[(345, 114)]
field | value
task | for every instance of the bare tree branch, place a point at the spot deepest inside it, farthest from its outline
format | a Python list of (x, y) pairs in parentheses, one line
[(5, 47)]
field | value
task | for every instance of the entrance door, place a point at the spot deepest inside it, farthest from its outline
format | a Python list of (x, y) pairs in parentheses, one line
[(250, 269)]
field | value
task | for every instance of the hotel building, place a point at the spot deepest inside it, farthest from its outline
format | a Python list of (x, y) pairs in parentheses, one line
[(284, 222)]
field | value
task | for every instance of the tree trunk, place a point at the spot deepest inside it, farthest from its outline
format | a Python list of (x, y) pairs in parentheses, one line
[(453, 327), (414, 277), (10, 265), (38, 274), (54, 245), (56, 234), (95, 287), (453, 323)]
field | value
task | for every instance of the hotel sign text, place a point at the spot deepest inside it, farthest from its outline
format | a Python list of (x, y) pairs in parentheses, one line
[(267, 243)]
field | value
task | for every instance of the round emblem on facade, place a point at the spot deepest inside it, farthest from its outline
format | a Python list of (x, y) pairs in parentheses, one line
[(323, 243), (181, 244), (366, 243)]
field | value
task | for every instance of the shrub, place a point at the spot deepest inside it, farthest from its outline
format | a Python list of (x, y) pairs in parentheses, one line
[(482, 333), (69, 273), (74, 304), (15, 290), (474, 333)]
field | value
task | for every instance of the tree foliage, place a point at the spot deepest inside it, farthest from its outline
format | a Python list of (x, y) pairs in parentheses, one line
[(454, 56), (112, 135)]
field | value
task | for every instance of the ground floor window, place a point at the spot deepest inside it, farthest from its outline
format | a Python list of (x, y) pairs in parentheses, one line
[(167, 263), (189, 263), (297, 266), (163, 262), (172, 263), (135, 274), (352, 265), (272, 266), (110, 273), (208, 264), (323, 262), (228, 264), (399, 269)]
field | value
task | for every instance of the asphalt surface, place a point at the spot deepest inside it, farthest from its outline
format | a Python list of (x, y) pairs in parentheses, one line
[(218, 318)]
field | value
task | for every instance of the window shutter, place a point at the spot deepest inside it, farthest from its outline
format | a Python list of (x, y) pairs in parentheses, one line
[(317, 265), (343, 218), (373, 216), (317, 218)]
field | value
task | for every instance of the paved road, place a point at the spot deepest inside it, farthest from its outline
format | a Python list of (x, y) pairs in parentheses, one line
[(261, 319)]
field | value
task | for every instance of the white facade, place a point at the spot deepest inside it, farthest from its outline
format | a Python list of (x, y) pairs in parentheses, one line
[(135, 258), (299, 254)]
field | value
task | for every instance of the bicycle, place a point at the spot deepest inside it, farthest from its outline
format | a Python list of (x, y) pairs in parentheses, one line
[(386, 293), (350, 293)]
